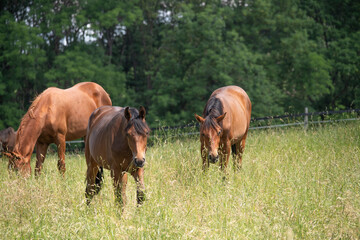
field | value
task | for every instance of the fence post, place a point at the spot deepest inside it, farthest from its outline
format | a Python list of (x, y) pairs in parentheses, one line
[(306, 118)]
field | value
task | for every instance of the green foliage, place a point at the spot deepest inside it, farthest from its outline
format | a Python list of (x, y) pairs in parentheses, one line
[(21, 60), (171, 55), (305, 73), (84, 65), (345, 72)]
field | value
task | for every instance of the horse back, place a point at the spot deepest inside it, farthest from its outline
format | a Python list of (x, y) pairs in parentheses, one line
[(94, 91), (104, 136), (237, 105), (69, 110)]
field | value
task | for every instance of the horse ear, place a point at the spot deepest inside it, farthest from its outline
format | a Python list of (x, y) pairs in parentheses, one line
[(199, 119), (12, 155), (8, 154), (142, 112), (127, 114), (220, 118)]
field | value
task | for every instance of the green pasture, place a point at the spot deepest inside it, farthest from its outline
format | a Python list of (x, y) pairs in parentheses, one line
[(293, 185)]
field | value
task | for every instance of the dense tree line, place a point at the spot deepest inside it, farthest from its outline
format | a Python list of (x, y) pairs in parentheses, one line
[(170, 55)]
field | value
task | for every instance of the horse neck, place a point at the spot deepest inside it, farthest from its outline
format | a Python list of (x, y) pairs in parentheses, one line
[(27, 135)]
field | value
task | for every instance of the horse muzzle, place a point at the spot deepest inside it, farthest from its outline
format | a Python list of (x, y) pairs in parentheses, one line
[(23, 168), (139, 162), (213, 159)]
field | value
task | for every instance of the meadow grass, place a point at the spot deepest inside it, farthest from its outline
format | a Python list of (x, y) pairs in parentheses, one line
[(293, 185)]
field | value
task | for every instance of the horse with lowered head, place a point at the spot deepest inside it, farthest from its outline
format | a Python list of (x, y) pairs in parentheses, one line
[(55, 116), (116, 139), (224, 126)]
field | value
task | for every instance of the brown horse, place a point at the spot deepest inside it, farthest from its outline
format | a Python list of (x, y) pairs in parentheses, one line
[(7, 139), (224, 125), (116, 140), (55, 116)]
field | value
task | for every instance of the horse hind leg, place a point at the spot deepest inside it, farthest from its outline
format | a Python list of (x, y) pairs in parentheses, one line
[(93, 180), (99, 180), (61, 144), (237, 156), (240, 147), (233, 150)]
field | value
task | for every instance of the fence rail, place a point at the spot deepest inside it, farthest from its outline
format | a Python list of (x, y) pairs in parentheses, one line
[(304, 123), (288, 116), (307, 114)]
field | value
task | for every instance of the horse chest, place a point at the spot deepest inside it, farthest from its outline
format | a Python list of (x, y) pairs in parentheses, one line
[(122, 157)]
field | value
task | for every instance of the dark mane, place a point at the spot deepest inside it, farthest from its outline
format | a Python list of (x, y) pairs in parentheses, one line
[(140, 126), (213, 109)]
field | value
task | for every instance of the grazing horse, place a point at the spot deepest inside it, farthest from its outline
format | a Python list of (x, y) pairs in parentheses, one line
[(55, 116), (116, 140), (7, 139), (224, 125)]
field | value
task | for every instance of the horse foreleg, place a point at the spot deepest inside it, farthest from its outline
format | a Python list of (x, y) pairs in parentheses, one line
[(140, 185), (238, 156), (41, 149), (240, 147), (60, 142), (205, 161), (225, 154), (120, 181)]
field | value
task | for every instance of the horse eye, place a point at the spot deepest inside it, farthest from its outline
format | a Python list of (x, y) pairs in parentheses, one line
[(219, 132)]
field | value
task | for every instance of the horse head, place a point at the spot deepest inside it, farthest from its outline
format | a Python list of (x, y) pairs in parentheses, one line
[(210, 134), (137, 132), (18, 164)]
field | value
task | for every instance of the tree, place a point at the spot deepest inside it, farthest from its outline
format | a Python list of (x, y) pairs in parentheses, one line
[(83, 64), (22, 61), (171, 55)]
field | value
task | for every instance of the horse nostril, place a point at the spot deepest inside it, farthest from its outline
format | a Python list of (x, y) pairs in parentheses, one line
[(139, 162), (213, 159)]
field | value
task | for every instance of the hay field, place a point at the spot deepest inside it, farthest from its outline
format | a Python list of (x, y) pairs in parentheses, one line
[(293, 185)]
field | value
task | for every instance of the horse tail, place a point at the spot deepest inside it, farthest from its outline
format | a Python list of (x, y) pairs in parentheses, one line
[(233, 149), (99, 179)]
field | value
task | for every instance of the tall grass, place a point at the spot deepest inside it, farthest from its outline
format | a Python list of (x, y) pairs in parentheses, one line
[(293, 185)]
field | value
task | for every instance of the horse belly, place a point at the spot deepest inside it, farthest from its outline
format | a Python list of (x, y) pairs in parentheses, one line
[(75, 132), (77, 123), (99, 143), (100, 156)]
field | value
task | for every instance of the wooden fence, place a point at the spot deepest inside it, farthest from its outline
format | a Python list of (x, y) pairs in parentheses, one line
[(302, 119)]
